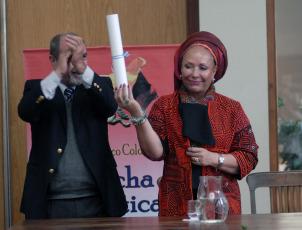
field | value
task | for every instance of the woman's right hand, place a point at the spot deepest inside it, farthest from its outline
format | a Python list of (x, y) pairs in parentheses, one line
[(124, 98), (147, 137)]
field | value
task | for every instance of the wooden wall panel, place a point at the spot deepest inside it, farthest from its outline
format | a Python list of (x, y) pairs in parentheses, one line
[(192, 16), (272, 85), (32, 23)]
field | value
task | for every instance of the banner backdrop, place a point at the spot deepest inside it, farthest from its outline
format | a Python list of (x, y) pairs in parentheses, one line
[(150, 73)]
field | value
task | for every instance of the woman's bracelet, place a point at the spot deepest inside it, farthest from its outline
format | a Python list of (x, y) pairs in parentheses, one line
[(139, 120)]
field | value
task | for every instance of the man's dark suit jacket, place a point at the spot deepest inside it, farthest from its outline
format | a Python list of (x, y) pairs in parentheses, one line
[(90, 110)]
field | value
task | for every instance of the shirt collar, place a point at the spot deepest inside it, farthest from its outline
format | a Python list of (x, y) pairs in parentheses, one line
[(63, 87)]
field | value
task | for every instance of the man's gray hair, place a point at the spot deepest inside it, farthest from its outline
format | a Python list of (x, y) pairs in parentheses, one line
[(54, 48)]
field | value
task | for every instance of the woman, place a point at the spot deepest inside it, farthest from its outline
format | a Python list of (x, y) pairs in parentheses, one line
[(195, 130)]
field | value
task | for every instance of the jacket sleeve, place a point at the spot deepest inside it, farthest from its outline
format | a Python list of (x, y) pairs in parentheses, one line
[(32, 102), (102, 92), (244, 147)]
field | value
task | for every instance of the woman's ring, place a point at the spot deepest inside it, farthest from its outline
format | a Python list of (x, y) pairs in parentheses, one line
[(126, 101), (196, 159)]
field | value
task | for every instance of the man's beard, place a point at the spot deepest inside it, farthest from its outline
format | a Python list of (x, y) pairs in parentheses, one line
[(74, 81)]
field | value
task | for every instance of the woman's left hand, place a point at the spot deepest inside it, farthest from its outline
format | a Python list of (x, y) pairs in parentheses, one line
[(202, 157)]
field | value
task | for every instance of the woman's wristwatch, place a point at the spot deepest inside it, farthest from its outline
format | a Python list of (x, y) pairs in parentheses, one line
[(220, 161)]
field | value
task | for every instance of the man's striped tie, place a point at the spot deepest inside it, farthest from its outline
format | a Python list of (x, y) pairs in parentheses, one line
[(68, 92)]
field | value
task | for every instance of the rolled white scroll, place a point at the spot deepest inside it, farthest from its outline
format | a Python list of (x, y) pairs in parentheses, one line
[(117, 52)]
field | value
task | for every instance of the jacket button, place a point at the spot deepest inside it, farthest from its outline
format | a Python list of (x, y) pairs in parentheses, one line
[(59, 150), (100, 90), (51, 170), (95, 84)]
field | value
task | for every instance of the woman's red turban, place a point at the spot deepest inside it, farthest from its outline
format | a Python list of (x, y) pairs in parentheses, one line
[(211, 42)]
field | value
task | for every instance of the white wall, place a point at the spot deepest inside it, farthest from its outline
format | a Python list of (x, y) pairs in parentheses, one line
[(241, 26), (288, 27)]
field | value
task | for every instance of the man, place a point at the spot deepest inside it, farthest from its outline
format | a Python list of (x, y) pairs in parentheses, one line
[(71, 171)]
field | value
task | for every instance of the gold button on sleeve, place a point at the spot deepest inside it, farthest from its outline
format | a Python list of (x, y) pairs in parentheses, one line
[(51, 170), (59, 150)]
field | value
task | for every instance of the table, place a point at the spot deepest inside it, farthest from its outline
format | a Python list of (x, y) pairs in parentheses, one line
[(284, 221)]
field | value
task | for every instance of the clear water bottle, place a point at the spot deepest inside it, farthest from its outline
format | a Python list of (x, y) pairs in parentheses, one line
[(214, 206)]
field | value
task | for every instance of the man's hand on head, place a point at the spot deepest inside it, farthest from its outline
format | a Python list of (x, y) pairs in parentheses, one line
[(79, 52), (63, 64)]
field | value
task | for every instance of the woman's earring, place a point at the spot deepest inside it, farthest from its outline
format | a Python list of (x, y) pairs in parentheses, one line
[(180, 76), (214, 80)]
